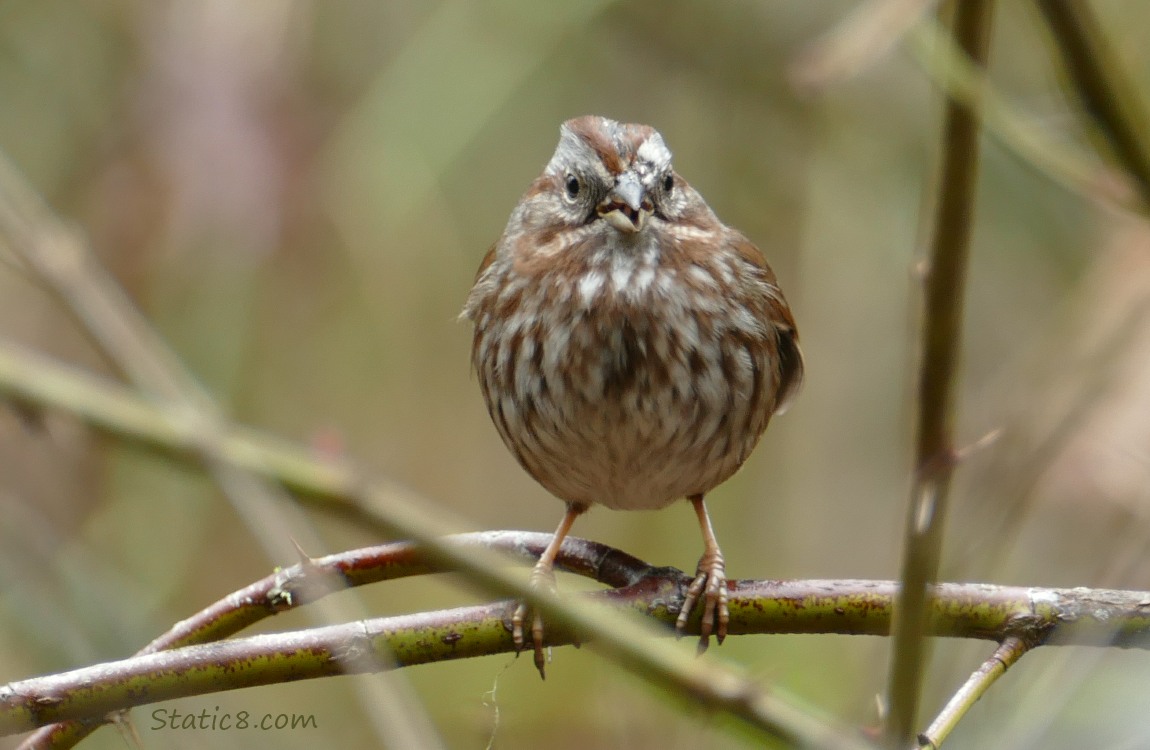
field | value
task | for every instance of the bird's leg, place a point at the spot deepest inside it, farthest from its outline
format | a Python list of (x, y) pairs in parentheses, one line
[(543, 574), (710, 583)]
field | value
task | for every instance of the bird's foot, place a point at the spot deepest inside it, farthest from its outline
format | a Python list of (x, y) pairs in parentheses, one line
[(542, 576), (708, 589)]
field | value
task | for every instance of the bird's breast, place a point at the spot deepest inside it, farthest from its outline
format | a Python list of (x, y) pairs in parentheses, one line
[(621, 389)]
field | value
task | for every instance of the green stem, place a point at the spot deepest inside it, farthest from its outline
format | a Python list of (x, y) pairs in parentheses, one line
[(1014, 615), (941, 340), (1003, 658)]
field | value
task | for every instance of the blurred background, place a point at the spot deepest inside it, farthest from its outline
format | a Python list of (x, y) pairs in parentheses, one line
[(298, 194)]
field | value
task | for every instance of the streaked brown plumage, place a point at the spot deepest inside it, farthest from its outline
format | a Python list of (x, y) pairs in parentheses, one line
[(630, 347)]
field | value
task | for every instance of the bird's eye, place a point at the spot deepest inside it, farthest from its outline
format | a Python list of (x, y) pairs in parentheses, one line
[(572, 186), (668, 183)]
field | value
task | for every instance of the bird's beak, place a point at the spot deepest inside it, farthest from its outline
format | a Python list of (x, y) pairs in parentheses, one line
[(626, 207)]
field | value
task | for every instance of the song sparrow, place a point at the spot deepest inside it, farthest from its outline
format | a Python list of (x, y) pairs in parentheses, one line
[(631, 348)]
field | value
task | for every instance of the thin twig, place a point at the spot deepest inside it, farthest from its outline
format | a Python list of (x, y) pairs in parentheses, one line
[(299, 584), (866, 35), (341, 485), (59, 254), (1103, 86), (941, 339), (1073, 392), (964, 81), (1003, 658)]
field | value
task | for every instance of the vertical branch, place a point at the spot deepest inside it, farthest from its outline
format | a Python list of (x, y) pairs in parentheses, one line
[(1104, 88), (941, 335)]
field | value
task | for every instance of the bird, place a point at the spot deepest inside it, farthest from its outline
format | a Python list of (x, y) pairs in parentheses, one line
[(630, 347)]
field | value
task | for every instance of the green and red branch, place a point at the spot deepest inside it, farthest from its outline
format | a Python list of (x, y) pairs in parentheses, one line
[(192, 658)]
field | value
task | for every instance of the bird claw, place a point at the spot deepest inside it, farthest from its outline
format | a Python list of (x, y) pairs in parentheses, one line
[(540, 577), (708, 588)]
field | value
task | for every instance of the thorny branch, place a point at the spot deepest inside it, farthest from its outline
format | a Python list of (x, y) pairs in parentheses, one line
[(811, 606), (342, 486), (196, 663)]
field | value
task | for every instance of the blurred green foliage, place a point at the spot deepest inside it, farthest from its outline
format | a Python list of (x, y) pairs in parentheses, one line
[(298, 193)]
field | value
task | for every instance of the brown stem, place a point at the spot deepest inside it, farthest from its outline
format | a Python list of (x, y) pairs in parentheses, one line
[(1036, 616), (941, 338), (1102, 85), (300, 584)]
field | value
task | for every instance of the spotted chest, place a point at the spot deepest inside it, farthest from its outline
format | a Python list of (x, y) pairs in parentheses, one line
[(631, 383)]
